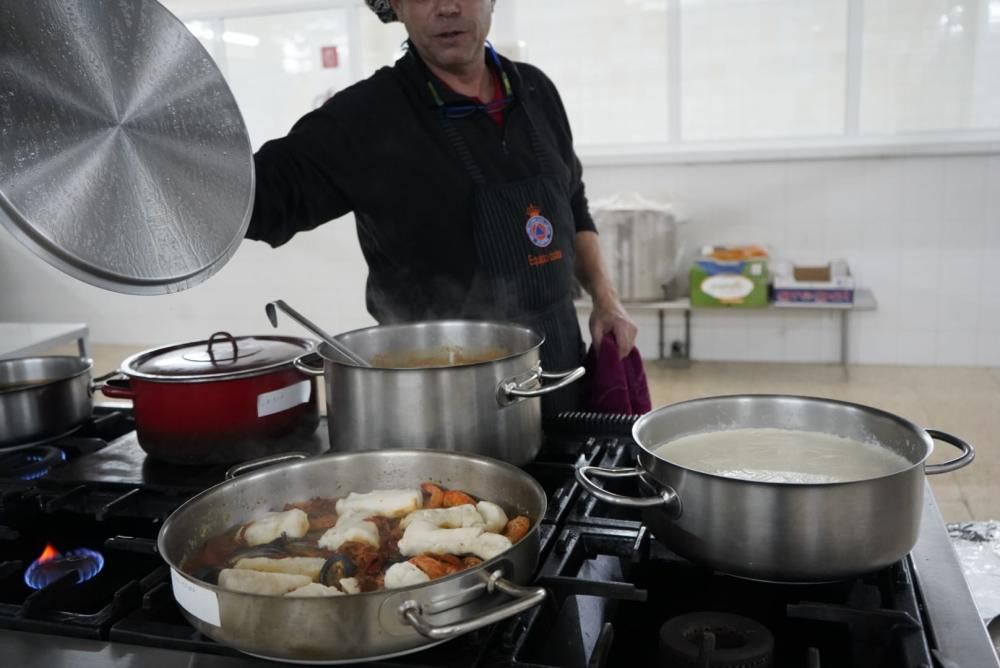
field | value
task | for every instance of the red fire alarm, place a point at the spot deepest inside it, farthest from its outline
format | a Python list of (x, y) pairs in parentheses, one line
[(330, 57)]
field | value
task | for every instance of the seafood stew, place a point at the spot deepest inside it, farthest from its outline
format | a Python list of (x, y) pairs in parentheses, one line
[(384, 539), (445, 356)]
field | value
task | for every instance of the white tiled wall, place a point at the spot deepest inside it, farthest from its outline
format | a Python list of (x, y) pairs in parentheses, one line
[(922, 233)]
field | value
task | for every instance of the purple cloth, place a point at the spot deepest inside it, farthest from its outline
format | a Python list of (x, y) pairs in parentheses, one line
[(615, 385)]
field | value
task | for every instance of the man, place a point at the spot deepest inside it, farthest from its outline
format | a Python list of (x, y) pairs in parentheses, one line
[(460, 170)]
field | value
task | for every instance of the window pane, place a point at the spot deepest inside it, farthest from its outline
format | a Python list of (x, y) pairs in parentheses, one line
[(280, 66), (607, 58), (930, 65), (753, 69)]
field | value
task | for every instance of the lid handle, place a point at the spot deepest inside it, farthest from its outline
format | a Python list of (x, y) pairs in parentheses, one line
[(222, 336)]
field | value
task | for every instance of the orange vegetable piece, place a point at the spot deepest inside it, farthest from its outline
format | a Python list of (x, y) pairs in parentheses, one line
[(517, 528), (455, 498), (435, 495)]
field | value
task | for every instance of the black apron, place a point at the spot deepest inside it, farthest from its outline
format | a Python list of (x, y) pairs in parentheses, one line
[(525, 242)]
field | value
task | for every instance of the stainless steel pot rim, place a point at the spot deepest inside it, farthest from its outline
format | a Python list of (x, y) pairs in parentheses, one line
[(88, 366), (128, 366), (903, 422), (434, 323), (248, 478)]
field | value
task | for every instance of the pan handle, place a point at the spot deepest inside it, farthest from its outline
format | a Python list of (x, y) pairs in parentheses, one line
[(667, 498), (964, 459), (115, 388), (97, 383), (523, 599), (302, 365), (512, 390), (255, 464)]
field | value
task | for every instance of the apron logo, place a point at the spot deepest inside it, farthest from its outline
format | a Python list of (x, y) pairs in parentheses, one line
[(539, 229)]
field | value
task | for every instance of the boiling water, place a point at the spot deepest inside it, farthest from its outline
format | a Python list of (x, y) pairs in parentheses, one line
[(782, 455)]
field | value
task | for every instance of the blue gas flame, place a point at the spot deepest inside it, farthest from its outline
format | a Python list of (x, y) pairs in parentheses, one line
[(51, 566)]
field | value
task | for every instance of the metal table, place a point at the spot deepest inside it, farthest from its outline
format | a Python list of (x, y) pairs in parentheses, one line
[(864, 300), (22, 339)]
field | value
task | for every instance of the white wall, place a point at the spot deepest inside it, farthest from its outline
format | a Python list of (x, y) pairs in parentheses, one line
[(923, 233)]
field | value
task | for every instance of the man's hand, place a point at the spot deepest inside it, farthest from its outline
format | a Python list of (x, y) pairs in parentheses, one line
[(610, 316)]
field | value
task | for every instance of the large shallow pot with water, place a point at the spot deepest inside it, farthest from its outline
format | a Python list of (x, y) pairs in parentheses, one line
[(459, 385), (781, 529), (361, 626)]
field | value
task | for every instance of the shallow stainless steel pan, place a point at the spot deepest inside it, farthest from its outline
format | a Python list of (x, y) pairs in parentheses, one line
[(774, 530), (357, 627)]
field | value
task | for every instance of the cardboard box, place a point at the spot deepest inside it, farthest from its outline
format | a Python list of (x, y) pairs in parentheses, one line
[(730, 276), (830, 284)]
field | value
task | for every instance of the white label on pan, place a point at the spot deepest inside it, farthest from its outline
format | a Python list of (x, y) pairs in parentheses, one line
[(200, 602), (276, 401)]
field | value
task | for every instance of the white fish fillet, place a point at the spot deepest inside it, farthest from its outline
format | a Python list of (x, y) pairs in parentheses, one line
[(350, 585), (255, 582), (385, 503), (404, 574), (308, 566), (293, 523), (455, 517), (493, 515), (489, 545), (350, 527), (315, 590)]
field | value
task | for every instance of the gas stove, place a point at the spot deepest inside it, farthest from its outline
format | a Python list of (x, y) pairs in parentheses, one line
[(81, 583)]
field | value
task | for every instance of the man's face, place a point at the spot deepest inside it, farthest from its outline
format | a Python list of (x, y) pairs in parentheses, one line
[(447, 33)]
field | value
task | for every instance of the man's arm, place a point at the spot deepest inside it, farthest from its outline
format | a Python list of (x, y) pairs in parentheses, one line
[(608, 314)]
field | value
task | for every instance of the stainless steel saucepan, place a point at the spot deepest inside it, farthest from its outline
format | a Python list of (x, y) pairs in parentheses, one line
[(412, 396), (43, 397), (790, 532), (365, 626)]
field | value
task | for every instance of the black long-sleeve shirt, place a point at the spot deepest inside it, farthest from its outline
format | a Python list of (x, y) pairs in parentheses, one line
[(378, 149)]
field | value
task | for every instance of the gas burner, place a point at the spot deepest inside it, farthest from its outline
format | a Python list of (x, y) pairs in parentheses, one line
[(715, 640), (52, 565), (30, 463)]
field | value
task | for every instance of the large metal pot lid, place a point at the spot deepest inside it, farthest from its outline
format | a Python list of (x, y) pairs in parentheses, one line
[(124, 160), (221, 357)]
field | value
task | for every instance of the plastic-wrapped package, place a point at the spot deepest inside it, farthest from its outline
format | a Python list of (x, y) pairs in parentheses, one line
[(978, 548)]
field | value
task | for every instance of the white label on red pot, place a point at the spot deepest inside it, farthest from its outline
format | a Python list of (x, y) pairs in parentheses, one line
[(276, 401), (200, 602)]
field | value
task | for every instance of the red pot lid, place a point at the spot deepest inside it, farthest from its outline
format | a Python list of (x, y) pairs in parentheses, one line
[(221, 357)]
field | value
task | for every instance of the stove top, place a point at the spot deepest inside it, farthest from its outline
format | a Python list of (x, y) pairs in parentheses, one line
[(617, 597)]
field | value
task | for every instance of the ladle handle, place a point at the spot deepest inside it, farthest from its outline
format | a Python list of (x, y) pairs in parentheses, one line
[(272, 314)]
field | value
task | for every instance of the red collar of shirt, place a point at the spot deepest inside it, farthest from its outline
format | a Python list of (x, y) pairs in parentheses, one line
[(497, 115)]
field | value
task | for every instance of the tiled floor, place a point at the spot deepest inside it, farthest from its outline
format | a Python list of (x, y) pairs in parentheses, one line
[(963, 401)]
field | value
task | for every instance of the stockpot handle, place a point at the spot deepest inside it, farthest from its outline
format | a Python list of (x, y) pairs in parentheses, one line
[(255, 464), (302, 365), (511, 390), (97, 383), (667, 498), (523, 599), (964, 459)]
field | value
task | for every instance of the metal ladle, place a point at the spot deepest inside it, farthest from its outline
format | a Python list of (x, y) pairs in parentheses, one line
[(272, 314)]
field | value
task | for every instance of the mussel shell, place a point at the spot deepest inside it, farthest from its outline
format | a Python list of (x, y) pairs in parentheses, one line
[(209, 574), (274, 550), (335, 569)]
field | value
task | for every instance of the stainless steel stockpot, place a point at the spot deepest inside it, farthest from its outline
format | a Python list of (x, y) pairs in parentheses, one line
[(356, 627), (789, 532), (43, 397), (489, 407)]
